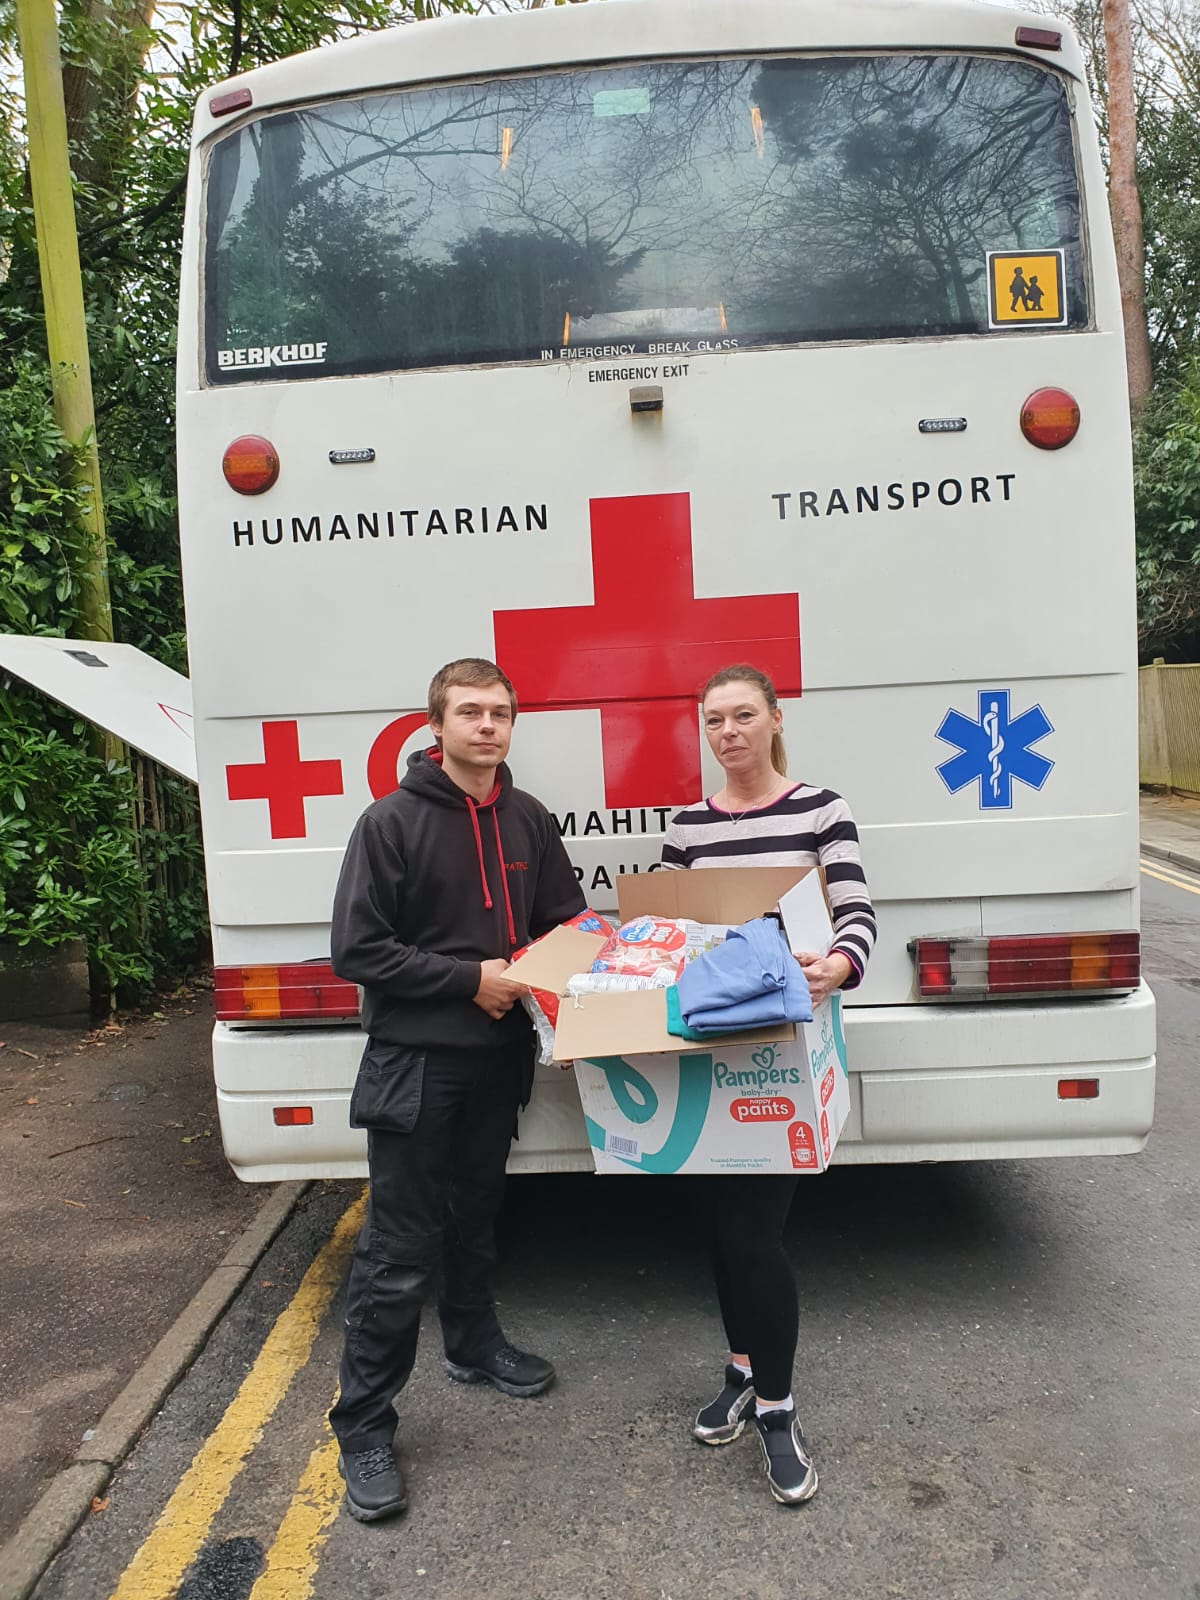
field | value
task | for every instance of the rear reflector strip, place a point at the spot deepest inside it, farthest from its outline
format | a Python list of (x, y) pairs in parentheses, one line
[(1079, 1088), (1042, 964), (301, 1116), (302, 990)]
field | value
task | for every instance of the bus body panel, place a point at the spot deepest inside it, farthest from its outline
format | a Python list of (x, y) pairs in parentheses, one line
[(936, 576), (471, 47)]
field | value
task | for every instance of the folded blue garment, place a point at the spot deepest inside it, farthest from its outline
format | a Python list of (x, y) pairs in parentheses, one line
[(752, 980)]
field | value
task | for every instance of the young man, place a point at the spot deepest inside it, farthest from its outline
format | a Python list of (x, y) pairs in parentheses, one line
[(443, 880)]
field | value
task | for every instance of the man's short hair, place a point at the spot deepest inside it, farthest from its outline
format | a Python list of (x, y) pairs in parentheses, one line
[(472, 672)]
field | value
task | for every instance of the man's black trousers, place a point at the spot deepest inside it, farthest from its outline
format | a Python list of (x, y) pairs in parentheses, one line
[(434, 1194)]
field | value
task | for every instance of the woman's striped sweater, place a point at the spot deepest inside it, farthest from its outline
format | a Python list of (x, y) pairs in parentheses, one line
[(804, 827)]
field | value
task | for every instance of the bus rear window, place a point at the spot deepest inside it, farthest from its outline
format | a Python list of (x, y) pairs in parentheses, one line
[(718, 205)]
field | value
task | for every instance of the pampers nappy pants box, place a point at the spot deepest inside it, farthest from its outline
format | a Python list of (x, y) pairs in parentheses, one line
[(774, 1100), (753, 1108)]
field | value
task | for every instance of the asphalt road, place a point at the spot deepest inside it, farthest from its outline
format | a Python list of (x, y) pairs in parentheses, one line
[(997, 1372)]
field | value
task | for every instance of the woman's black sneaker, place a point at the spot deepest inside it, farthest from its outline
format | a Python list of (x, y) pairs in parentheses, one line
[(724, 1418), (508, 1369), (790, 1471), (374, 1487)]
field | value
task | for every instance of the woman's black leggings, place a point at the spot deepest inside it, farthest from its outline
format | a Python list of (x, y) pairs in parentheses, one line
[(755, 1283)]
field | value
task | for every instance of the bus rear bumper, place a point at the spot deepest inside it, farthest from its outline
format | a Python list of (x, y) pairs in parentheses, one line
[(258, 1070), (928, 1083), (981, 1082)]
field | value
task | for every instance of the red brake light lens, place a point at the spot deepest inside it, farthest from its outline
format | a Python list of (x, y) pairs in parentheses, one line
[(1050, 418), (933, 967), (250, 464), (300, 991), (1042, 964)]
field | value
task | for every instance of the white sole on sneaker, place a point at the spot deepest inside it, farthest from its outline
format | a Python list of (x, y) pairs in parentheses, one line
[(719, 1436), (796, 1499), (798, 1496), (726, 1432)]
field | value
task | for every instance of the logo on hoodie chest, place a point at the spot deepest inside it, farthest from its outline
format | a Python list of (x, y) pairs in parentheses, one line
[(516, 866)]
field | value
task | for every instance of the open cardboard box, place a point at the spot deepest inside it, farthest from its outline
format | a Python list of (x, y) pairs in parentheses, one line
[(760, 1100)]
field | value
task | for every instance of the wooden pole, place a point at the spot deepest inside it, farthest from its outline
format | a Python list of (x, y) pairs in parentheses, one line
[(62, 294), (1126, 206)]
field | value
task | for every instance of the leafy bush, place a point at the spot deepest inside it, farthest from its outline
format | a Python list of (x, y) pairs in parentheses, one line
[(1167, 493), (68, 866), (40, 545), (90, 849)]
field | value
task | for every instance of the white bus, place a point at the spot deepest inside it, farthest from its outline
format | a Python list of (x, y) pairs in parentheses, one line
[(620, 342)]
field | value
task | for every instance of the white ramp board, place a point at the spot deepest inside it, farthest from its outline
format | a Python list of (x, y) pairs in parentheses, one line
[(115, 686)]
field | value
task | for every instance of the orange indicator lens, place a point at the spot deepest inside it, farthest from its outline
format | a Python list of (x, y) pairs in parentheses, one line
[(250, 464)]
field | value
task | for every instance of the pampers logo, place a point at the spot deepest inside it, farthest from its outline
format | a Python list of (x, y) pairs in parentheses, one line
[(763, 1074), (820, 1057)]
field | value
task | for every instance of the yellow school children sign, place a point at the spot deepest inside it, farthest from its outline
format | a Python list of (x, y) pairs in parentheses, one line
[(1026, 287)]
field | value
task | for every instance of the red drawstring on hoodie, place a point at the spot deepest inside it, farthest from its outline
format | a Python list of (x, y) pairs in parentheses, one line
[(487, 893), (512, 932)]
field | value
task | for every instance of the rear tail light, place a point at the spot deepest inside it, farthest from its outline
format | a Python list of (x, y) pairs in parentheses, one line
[(933, 968), (1043, 964), (1050, 418), (250, 464), (301, 1116), (302, 990)]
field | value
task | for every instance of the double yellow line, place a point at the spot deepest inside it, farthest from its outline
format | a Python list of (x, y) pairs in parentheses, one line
[(176, 1539), (1165, 873)]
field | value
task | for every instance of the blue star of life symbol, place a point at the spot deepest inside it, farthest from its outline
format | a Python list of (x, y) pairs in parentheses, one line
[(995, 749)]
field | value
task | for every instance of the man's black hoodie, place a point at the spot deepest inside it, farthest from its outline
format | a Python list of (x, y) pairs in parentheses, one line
[(433, 884)]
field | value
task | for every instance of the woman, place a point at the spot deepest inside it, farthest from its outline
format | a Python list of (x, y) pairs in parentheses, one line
[(761, 818)]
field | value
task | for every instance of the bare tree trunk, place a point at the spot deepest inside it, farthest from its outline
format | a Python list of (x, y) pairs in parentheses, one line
[(101, 86), (1126, 206)]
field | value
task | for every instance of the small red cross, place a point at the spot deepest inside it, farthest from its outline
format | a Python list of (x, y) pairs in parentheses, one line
[(643, 650), (283, 780)]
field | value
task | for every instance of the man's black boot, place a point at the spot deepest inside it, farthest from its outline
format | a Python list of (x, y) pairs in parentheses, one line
[(508, 1369), (374, 1486)]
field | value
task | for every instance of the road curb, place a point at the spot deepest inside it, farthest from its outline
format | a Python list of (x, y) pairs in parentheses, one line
[(60, 1510), (1179, 857)]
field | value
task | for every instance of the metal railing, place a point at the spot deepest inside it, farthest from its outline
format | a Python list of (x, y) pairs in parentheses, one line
[(1169, 727)]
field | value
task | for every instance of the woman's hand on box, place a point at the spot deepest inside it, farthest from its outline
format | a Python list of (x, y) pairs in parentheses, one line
[(824, 974)]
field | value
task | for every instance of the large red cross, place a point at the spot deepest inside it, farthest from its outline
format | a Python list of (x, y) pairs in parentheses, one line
[(283, 780), (642, 651)]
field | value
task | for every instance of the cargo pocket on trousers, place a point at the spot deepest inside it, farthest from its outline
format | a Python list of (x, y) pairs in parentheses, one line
[(387, 1091)]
